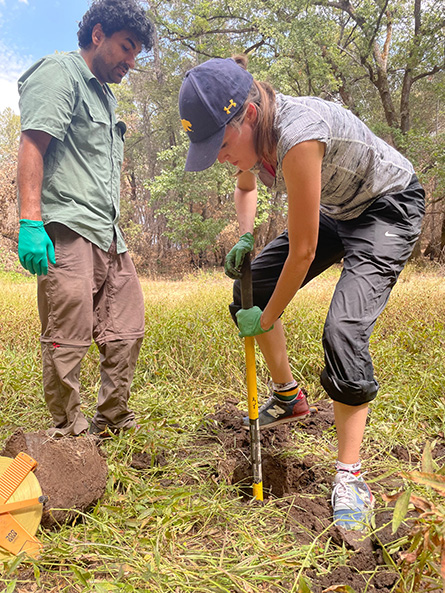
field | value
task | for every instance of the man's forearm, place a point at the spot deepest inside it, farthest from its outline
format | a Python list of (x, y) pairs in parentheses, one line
[(32, 149)]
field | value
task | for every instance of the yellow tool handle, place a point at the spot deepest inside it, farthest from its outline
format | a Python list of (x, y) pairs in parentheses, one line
[(252, 395), (252, 401)]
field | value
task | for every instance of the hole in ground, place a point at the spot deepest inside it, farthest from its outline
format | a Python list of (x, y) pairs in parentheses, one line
[(281, 476)]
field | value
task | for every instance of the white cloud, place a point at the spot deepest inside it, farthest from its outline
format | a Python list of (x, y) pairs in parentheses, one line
[(24, 1), (9, 96), (11, 67)]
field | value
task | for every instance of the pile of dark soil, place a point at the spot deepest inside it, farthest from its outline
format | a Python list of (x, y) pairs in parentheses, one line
[(301, 487)]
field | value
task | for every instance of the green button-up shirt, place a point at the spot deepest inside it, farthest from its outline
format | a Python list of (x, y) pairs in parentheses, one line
[(81, 186)]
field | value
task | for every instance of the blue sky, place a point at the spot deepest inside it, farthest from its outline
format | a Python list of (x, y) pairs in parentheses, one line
[(30, 29)]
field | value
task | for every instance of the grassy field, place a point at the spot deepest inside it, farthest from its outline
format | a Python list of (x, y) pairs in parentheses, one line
[(178, 526)]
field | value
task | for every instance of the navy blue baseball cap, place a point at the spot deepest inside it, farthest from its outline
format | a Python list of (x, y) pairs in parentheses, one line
[(210, 96)]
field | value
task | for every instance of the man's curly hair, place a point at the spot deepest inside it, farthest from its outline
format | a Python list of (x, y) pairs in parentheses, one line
[(115, 15)]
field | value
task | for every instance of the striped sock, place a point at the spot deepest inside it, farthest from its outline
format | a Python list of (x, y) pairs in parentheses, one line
[(352, 468), (287, 392)]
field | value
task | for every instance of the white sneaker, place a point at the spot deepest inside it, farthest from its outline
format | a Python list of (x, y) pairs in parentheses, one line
[(352, 502)]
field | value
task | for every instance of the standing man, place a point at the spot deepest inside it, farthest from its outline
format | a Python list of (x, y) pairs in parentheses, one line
[(69, 163)]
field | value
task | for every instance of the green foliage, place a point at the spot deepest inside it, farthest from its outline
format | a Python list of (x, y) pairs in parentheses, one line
[(423, 560), (185, 201), (400, 510), (427, 153), (320, 48)]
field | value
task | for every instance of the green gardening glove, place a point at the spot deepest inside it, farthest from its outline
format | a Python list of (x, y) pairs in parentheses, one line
[(249, 322), (35, 247), (234, 258)]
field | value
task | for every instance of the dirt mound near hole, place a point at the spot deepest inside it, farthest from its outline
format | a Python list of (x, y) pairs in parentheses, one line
[(72, 472), (282, 474), (302, 488)]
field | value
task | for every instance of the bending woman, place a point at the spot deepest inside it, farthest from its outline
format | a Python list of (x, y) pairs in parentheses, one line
[(351, 197)]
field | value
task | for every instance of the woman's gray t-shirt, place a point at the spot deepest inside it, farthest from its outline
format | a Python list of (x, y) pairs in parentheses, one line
[(357, 165)]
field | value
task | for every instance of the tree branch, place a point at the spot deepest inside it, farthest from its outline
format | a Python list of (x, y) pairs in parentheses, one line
[(182, 38), (378, 22), (434, 70)]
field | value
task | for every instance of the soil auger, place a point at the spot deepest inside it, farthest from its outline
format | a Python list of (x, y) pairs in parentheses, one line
[(252, 394)]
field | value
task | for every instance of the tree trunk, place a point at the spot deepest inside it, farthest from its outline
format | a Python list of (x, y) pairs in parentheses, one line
[(382, 84), (405, 120)]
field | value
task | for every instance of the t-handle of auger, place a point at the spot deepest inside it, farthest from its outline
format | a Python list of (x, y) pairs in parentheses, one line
[(252, 395)]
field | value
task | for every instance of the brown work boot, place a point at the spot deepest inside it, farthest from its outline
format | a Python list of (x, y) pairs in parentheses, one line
[(108, 431)]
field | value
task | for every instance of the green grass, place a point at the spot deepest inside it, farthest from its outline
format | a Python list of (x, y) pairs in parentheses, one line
[(174, 527)]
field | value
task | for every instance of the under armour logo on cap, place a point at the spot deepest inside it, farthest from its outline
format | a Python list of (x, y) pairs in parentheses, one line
[(186, 125), (231, 104)]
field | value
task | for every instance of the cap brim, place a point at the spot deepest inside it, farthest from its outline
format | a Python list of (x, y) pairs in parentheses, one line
[(202, 155)]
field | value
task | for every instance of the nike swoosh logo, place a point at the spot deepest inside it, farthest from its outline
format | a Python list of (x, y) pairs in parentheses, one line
[(388, 234)]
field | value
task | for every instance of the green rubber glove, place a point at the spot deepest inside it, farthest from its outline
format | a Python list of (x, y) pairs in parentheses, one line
[(234, 259), (35, 247), (249, 322)]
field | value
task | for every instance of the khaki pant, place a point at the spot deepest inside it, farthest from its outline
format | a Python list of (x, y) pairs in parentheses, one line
[(89, 295)]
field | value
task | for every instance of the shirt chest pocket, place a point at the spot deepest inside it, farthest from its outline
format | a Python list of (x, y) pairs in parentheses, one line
[(91, 127)]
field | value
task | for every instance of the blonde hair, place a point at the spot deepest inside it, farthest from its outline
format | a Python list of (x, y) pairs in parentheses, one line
[(261, 95)]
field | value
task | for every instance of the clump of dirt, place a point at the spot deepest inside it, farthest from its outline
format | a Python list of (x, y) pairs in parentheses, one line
[(438, 451), (72, 472), (282, 475), (355, 578), (302, 487), (146, 460), (404, 455)]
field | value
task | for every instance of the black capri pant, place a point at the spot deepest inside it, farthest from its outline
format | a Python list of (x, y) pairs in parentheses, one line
[(374, 248)]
